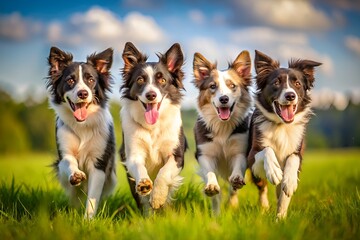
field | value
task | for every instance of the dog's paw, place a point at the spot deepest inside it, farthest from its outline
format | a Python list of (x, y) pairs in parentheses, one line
[(157, 201), (237, 182), (289, 185), (144, 187), (273, 171), (77, 177), (212, 190)]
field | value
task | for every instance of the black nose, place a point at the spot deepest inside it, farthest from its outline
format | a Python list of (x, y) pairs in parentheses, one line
[(224, 99), (150, 95), (83, 94), (290, 96)]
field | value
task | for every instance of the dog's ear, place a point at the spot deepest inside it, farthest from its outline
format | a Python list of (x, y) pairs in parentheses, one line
[(102, 63), (58, 60), (202, 69), (174, 59), (242, 66), (307, 67), (264, 65), (131, 56)]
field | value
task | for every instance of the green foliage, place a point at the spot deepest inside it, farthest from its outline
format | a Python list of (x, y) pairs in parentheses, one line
[(30, 126), (326, 206)]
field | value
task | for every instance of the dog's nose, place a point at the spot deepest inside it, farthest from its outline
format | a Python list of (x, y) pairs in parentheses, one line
[(150, 95), (290, 96), (83, 94), (224, 99)]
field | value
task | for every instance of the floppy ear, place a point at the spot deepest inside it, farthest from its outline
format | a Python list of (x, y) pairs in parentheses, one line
[(202, 69), (102, 63), (242, 66), (264, 65), (58, 60), (131, 56), (307, 68)]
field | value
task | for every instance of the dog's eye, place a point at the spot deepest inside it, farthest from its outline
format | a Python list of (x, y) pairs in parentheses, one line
[(91, 81), (297, 84), (277, 82), (162, 81), (232, 86), (140, 80), (70, 82), (212, 86)]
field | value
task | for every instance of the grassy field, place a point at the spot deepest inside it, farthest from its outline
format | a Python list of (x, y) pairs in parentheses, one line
[(326, 206)]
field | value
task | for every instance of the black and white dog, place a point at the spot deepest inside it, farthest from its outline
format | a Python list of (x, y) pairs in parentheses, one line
[(224, 106), (278, 126), (153, 139), (84, 126)]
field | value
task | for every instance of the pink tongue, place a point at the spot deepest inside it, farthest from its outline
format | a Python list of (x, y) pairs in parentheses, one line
[(151, 114), (287, 112), (224, 113), (80, 112)]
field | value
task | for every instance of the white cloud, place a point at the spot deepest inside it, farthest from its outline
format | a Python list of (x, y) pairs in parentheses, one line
[(286, 14), (283, 45), (196, 16), (265, 35), (325, 98), (353, 43), (140, 28), (101, 27), (16, 27)]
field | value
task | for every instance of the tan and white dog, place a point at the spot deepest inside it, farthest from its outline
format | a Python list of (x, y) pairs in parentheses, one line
[(221, 131)]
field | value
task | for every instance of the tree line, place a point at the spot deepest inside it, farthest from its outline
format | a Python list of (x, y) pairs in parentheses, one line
[(30, 126)]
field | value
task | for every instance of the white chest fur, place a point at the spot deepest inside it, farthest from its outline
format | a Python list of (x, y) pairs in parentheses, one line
[(151, 144)]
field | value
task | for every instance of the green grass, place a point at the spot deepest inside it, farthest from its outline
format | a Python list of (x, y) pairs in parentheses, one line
[(326, 205)]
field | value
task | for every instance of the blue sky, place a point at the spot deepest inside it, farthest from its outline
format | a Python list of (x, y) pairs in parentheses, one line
[(322, 30)]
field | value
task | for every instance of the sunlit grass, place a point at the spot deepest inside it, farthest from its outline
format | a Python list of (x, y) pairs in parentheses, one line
[(326, 205)]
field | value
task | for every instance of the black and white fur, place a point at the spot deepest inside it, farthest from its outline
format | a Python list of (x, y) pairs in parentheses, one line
[(153, 139), (278, 126), (224, 106), (84, 126)]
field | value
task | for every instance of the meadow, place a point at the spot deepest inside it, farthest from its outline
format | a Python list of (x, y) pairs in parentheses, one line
[(326, 205)]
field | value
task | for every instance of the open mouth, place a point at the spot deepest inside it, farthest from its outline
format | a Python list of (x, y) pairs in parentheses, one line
[(224, 113), (79, 110), (151, 111), (285, 112)]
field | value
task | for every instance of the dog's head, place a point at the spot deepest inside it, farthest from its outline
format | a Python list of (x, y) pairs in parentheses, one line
[(79, 85), (222, 89), (151, 83), (283, 92)]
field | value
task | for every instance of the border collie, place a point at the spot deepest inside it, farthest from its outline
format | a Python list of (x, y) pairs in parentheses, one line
[(153, 139), (278, 126), (84, 126), (224, 107)]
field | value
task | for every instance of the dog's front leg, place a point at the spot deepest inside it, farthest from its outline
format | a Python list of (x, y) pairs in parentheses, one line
[(290, 180), (267, 166), (95, 188), (239, 166), (136, 167), (69, 171), (288, 186), (207, 166), (167, 177)]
